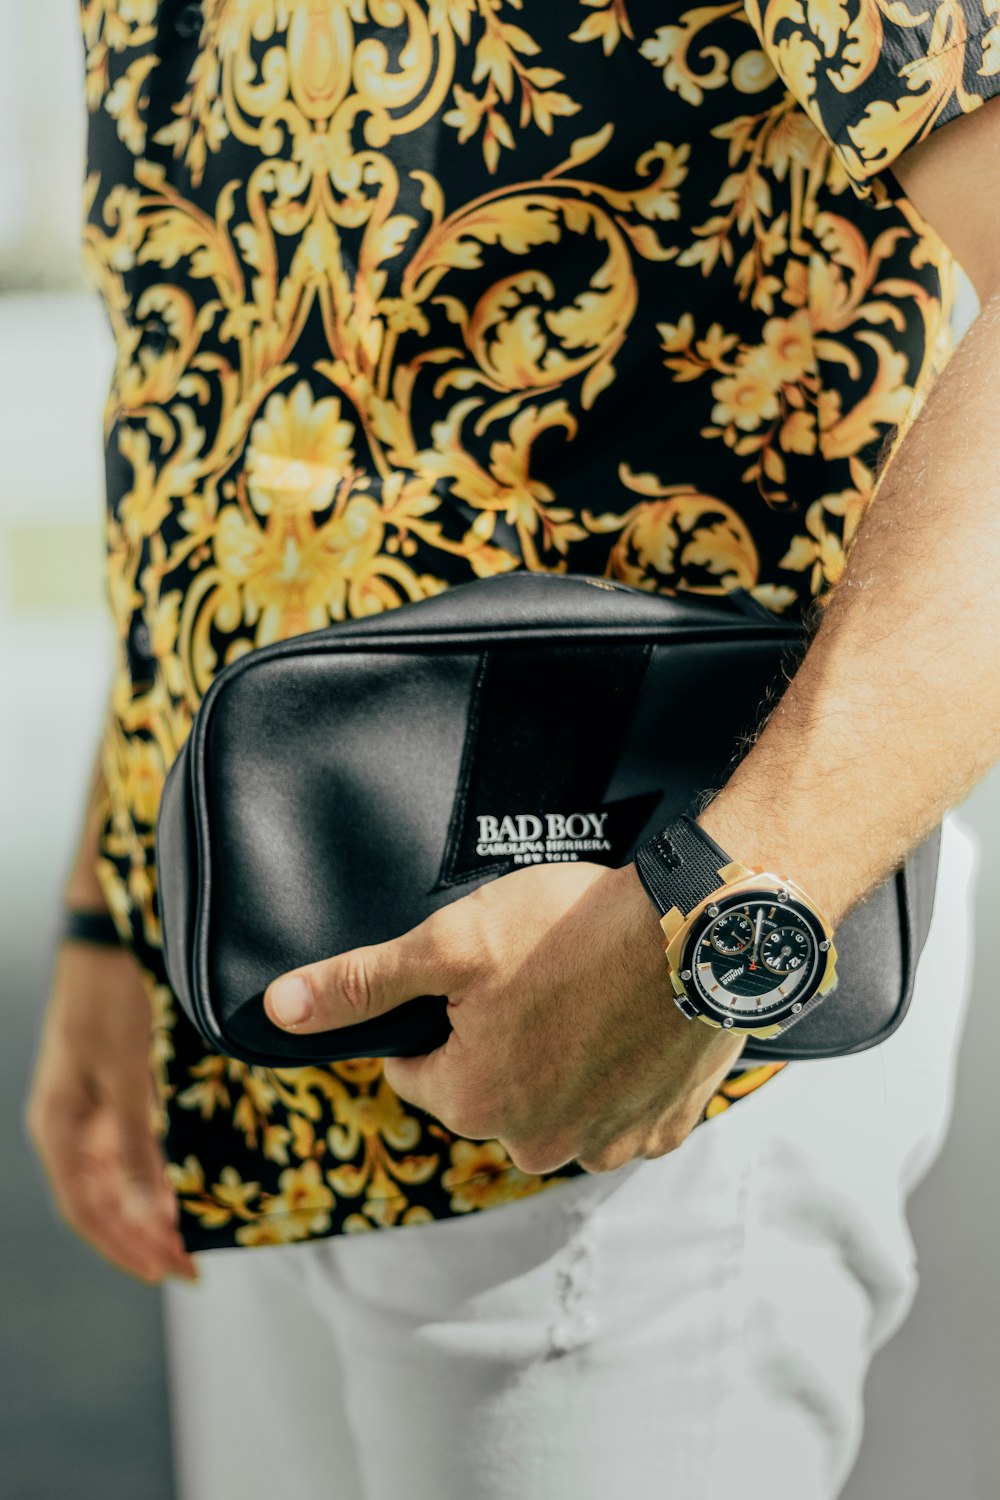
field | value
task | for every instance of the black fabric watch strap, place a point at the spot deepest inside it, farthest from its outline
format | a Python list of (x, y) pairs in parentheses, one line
[(680, 866), (90, 927)]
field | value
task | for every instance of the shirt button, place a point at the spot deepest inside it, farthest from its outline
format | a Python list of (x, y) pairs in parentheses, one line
[(155, 336), (188, 21)]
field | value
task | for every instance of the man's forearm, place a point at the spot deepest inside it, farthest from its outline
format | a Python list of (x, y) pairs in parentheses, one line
[(893, 714), (82, 889)]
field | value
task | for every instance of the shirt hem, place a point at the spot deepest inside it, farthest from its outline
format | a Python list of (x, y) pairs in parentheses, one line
[(195, 1238)]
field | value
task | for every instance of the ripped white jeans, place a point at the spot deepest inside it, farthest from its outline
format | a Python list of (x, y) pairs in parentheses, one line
[(695, 1325)]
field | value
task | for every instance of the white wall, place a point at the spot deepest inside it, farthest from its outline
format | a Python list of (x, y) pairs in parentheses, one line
[(42, 128)]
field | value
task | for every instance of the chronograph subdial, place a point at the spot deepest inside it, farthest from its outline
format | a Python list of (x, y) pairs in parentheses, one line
[(785, 949), (732, 934)]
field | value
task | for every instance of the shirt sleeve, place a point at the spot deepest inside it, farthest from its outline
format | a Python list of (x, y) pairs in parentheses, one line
[(876, 76)]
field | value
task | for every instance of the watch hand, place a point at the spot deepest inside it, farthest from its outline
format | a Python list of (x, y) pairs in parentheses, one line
[(756, 936)]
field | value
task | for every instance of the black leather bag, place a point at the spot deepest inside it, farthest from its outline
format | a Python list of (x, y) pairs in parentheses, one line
[(338, 786)]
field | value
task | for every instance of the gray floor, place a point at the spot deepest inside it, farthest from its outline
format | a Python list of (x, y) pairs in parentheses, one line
[(83, 1412)]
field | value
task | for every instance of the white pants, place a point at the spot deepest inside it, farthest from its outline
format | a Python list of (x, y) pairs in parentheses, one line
[(688, 1327)]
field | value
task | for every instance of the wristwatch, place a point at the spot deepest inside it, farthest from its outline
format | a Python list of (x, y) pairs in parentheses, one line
[(747, 950), (89, 927)]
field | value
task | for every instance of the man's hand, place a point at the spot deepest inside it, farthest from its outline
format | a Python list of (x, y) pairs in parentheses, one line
[(88, 1114), (566, 1042)]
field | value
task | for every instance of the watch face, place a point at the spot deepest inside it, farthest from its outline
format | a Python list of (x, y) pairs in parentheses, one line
[(758, 960)]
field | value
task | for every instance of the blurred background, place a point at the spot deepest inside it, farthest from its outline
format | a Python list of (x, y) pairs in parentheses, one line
[(84, 1411)]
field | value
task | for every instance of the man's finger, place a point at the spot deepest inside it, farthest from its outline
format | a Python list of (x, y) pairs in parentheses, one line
[(358, 985), (427, 1080), (82, 1161), (145, 1192), (88, 1203)]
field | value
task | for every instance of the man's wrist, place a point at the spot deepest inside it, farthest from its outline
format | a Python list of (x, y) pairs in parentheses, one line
[(727, 820), (83, 895)]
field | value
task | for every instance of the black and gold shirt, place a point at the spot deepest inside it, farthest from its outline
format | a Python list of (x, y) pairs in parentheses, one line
[(409, 292)]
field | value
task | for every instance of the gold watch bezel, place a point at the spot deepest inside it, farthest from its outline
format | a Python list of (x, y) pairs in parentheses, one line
[(735, 877)]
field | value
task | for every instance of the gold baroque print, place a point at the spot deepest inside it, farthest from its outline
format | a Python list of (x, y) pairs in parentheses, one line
[(336, 78), (513, 344), (692, 63), (409, 293), (876, 76)]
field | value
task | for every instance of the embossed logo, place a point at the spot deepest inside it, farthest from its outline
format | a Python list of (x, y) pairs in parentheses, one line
[(534, 838)]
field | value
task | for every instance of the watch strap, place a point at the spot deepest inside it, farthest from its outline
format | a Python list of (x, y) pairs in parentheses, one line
[(90, 927), (680, 865)]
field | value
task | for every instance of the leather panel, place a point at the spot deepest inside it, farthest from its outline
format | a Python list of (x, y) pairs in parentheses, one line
[(328, 822)]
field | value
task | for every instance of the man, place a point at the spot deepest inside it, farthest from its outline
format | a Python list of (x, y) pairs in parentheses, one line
[(408, 294)]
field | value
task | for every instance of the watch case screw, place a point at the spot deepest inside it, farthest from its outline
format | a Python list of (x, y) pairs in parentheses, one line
[(824, 945), (782, 894), (728, 1021), (713, 911), (797, 1006), (685, 973)]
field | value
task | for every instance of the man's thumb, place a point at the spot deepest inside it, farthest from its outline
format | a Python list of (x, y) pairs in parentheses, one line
[(355, 986)]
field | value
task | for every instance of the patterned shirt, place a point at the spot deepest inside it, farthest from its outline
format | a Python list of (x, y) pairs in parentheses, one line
[(408, 294)]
